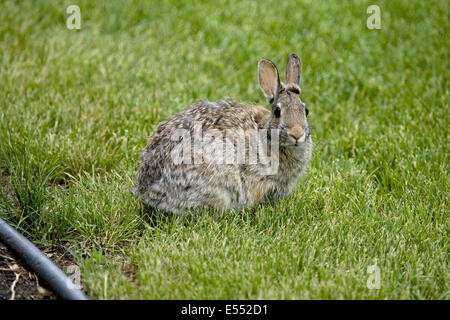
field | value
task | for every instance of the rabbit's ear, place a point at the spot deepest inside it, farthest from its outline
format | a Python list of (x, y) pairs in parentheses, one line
[(269, 81), (293, 69)]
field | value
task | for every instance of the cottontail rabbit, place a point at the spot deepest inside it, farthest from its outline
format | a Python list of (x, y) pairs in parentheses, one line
[(183, 168)]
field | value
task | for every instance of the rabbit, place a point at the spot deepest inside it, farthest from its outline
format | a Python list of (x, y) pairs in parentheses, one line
[(184, 185)]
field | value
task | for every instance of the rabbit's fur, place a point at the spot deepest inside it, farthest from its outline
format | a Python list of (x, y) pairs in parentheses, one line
[(177, 187)]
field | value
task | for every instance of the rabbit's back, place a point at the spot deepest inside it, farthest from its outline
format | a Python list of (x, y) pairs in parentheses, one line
[(170, 186)]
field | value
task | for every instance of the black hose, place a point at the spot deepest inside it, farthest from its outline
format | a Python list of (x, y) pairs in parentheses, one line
[(39, 263)]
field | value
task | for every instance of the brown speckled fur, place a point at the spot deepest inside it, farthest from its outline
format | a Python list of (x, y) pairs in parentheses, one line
[(179, 187)]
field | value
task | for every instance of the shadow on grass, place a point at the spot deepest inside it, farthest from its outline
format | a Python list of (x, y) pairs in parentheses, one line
[(156, 218)]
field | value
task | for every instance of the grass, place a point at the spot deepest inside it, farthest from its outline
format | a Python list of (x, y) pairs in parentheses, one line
[(77, 107)]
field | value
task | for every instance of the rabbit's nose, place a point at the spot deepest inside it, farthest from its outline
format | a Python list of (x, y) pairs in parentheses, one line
[(296, 132)]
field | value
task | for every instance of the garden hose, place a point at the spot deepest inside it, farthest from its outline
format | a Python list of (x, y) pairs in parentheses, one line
[(39, 263)]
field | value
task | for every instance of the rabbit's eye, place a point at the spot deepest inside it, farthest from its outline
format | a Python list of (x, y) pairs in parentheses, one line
[(295, 90), (277, 112)]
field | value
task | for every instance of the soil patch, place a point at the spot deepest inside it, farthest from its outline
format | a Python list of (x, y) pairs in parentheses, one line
[(18, 283)]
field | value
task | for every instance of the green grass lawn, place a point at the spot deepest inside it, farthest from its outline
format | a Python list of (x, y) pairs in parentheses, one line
[(77, 107)]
